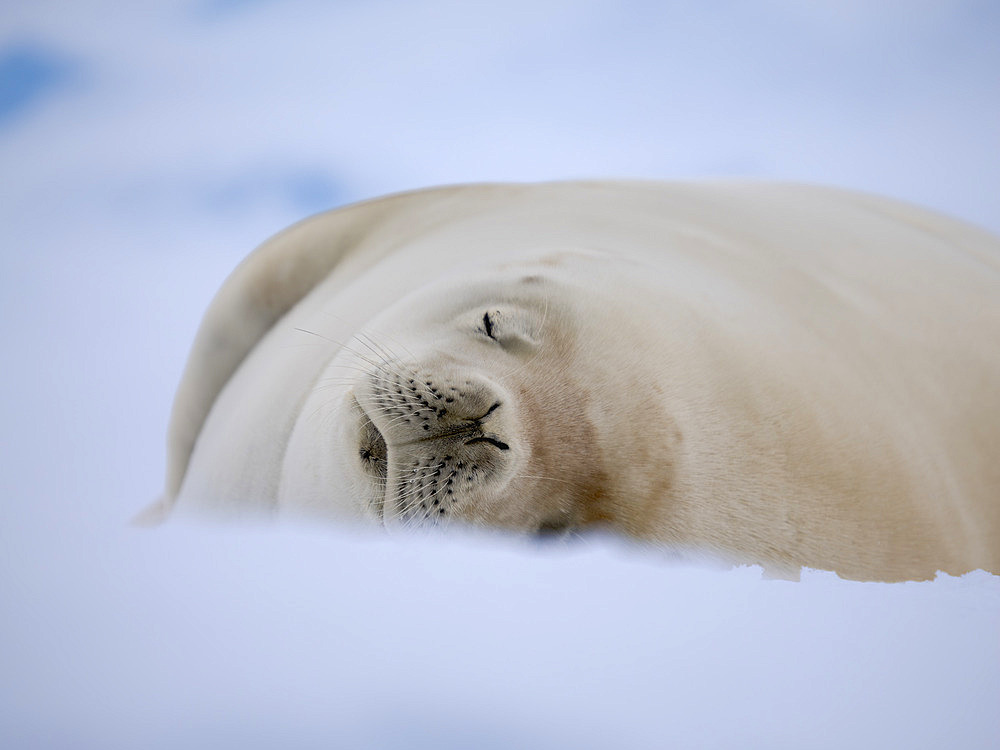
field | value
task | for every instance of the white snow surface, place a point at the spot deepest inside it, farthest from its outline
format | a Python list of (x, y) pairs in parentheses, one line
[(145, 148)]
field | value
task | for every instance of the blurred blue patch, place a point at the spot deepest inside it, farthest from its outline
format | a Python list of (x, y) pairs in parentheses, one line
[(223, 10), (29, 73), (216, 8), (311, 191), (303, 190)]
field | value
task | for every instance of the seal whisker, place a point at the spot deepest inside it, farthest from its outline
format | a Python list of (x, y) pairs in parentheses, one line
[(541, 323), (341, 319), (428, 502), (334, 380), (408, 491), (383, 372), (387, 354), (399, 419), (380, 366), (411, 497), (386, 403), (386, 359), (430, 468)]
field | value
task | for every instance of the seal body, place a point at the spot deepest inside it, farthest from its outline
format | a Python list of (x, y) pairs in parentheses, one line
[(777, 374)]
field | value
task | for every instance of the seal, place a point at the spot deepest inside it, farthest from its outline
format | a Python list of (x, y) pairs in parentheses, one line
[(776, 374)]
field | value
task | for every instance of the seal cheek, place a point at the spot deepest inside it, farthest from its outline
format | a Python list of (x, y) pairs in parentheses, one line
[(564, 484)]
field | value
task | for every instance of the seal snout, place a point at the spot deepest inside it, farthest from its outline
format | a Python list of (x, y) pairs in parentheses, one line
[(410, 406), (436, 444)]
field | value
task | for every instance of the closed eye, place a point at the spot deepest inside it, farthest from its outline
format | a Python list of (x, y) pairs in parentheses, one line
[(514, 329)]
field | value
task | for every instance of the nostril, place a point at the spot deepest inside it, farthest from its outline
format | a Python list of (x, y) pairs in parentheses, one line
[(492, 441), (372, 450), (489, 411), (477, 420)]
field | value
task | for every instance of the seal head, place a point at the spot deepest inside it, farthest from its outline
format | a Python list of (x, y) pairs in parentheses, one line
[(479, 410)]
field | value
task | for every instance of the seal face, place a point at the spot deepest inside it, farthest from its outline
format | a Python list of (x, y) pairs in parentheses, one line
[(776, 374), (457, 426), (432, 437)]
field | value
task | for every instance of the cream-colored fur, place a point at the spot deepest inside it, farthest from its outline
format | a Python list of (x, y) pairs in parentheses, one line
[(778, 374)]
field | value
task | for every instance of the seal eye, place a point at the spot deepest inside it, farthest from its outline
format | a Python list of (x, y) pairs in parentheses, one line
[(513, 328)]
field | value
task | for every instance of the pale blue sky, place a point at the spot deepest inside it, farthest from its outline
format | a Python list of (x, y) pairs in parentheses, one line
[(291, 105)]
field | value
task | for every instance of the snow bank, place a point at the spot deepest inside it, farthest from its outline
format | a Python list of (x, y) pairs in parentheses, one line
[(185, 637)]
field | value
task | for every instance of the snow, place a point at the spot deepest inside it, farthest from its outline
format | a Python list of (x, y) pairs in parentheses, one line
[(146, 148), (300, 637)]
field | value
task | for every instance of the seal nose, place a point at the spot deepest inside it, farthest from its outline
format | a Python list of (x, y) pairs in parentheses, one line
[(411, 406)]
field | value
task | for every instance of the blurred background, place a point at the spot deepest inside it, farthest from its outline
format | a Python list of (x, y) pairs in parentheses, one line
[(145, 148)]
